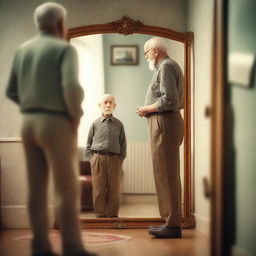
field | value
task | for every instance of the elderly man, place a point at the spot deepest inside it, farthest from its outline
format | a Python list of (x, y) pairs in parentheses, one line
[(164, 100), (43, 82), (106, 149)]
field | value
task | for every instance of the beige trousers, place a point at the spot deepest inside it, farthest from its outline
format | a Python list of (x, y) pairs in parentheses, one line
[(166, 135), (106, 183), (50, 142)]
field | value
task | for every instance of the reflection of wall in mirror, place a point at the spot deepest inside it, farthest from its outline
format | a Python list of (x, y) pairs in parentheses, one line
[(91, 77)]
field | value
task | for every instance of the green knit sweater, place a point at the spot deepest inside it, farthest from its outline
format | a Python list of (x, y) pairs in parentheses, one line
[(44, 77)]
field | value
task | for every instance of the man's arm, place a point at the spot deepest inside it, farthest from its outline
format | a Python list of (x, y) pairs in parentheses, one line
[(12, 86), (72, 91), (123, 143), (168, 88), (88, 151)]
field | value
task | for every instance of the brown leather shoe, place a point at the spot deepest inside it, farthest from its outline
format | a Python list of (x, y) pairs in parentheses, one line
[(166, 232), (157, 227), (84, 253), (45, 254)]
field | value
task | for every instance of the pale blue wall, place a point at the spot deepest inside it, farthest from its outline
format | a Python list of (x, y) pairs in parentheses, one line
[(242, 39), (128, 84)]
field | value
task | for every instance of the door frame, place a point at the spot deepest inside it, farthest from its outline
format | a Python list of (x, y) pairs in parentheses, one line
[(219, 231)]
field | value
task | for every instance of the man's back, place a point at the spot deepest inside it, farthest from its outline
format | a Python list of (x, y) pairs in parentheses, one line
[(44, 83), (40, 75)]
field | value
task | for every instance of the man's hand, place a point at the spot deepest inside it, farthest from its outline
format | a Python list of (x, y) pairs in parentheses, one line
[(142, 111)]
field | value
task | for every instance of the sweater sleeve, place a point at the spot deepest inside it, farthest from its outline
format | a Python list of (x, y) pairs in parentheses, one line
[(88, 151), (12, 86), (72, 91)]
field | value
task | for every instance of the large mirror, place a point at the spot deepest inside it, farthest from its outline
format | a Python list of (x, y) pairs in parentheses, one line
[(104, 67)]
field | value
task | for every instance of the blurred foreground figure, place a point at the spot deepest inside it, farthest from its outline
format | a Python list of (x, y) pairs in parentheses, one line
[(43, 82)]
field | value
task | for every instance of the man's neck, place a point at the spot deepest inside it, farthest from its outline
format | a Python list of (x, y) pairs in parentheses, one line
[(160, 60), (107, 116), (50, 33)]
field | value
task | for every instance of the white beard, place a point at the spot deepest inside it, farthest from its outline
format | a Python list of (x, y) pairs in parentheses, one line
[(108, 111), (151, 65)]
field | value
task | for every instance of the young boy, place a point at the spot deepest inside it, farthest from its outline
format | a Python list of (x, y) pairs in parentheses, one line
[(106, 149)]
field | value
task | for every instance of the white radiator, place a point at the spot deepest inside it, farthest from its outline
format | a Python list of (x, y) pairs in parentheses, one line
[(137, 169)]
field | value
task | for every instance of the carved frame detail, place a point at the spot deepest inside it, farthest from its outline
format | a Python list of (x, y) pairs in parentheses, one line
[(125, 25)]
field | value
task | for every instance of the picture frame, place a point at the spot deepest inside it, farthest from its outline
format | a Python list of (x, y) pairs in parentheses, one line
[(124, 55)]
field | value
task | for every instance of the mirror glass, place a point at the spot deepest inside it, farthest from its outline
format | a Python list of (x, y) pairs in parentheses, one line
[(125, 75)]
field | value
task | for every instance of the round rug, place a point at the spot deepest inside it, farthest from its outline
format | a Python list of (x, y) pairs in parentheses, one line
[(89, 238)]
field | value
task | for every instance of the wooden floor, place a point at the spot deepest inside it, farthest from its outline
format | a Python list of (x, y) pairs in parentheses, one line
[(132, 210), (193, 243)]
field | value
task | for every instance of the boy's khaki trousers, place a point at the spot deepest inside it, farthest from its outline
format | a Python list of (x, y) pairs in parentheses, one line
[(106, 183)]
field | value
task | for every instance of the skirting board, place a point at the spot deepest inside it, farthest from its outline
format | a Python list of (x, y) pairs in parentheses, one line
[(139, 198), (16, 217), (236, 251), (202, 224)]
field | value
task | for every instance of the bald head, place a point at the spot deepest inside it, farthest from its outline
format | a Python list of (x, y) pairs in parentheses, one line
[(51, 17), (107, 105), (157, 43), (155, 49), (106, 96)]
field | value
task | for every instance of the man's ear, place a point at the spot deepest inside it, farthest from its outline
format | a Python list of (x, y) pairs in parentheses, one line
[(114, 105), (155, 51), (61, 27)]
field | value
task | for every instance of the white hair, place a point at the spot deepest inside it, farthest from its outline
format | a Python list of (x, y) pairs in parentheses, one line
[(106, 96), (158, 43), (48, 15)]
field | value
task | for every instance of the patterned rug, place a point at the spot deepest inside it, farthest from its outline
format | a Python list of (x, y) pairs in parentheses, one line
[(91, 239)]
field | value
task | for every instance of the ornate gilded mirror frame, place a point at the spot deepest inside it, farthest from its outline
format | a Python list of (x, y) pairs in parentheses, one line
[(127, 26)]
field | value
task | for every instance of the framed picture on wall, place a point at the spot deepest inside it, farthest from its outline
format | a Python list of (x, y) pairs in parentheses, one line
[(124, 54)]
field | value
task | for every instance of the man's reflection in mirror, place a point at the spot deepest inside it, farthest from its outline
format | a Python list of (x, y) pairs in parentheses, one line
[(106, 149), (163, 103)]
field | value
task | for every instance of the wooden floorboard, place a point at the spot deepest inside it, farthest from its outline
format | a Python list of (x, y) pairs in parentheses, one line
[(193, 243)]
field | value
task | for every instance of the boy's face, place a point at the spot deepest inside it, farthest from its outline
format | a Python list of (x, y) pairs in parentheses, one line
[(107, 106)]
